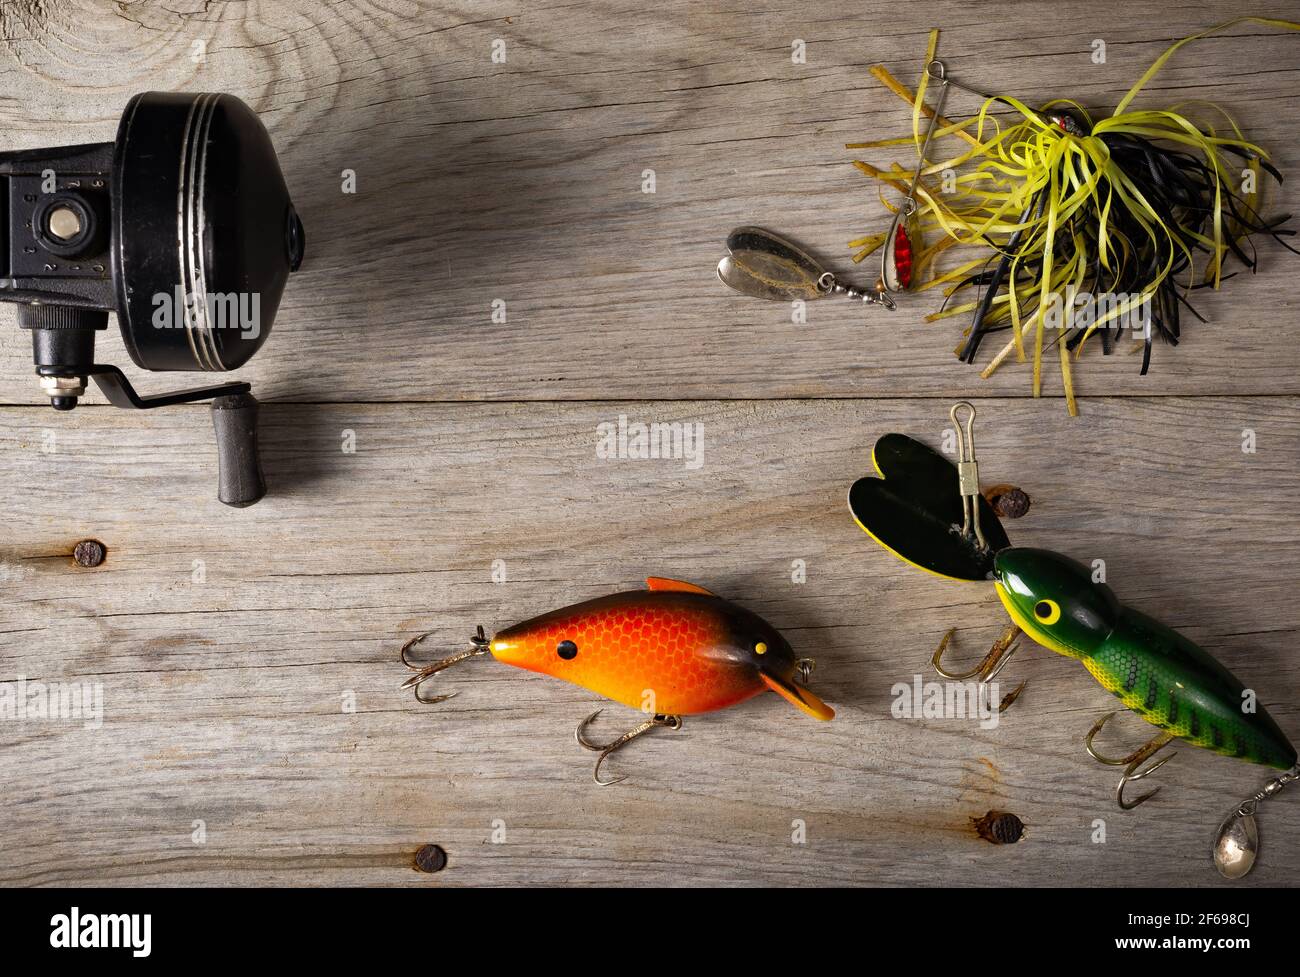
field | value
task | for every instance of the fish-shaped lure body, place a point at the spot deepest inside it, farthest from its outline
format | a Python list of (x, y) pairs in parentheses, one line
[(1164, 677), (674, 649), (915, 511)]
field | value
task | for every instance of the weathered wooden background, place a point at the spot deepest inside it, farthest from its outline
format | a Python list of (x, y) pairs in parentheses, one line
[(227, 681)]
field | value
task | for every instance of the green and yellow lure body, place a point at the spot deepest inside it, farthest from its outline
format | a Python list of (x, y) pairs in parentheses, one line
[(1168, 680), (914, 510)]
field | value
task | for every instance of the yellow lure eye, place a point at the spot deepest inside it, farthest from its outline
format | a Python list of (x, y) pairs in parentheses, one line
[(1047, 612), (760, 648)]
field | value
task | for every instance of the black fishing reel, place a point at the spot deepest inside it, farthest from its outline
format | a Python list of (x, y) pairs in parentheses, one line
[(184, 228)]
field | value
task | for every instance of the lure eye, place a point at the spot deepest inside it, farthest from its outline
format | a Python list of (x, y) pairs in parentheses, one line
[(567, 650), (1047, 611), (760, 648)]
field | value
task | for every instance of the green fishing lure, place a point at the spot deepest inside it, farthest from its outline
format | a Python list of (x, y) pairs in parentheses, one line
[(930, 513), (1153, 670)]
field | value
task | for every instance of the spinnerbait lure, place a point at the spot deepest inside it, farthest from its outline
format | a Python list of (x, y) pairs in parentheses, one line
[(930, 513), (672, 650), (1083, 225)]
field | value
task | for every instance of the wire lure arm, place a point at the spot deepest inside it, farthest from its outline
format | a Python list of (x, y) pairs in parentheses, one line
[(968, 486), (480, 644), (889, 275), (968, 472), (938, 71)]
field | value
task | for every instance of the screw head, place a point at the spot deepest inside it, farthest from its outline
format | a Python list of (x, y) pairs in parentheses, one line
[(1013, 504), (1008, 501), (430, 858), (89, 553), (999, 828)]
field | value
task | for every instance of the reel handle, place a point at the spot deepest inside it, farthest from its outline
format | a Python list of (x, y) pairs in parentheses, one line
[(240, 481)]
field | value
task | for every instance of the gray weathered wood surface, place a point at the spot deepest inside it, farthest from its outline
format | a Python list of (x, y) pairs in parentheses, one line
[(475, 442)]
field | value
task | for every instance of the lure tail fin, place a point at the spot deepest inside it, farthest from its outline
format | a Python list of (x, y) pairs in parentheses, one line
[(798, 696)]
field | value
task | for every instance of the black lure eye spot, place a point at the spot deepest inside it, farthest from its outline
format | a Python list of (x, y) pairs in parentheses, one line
[(1047, 612), (567, 650)]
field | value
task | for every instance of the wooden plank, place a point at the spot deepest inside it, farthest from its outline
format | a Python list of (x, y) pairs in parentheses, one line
[(224, 698), (522, 181)]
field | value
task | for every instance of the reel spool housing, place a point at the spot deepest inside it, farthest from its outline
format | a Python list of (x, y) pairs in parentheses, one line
[(184, 228)]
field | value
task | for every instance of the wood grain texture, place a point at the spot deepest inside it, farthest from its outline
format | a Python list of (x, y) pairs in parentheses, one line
[(522, 181), (476, 442), (224, 700)]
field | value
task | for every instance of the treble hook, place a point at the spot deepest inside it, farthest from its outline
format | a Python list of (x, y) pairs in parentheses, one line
[(990, 666), (1132, 762), (968, 473), (480, 645), (938, 71), (654, 722)]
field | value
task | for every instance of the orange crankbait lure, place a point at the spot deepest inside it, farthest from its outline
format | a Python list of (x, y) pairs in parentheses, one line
[(672, 650)]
